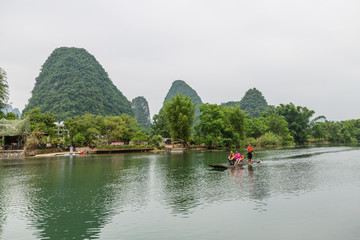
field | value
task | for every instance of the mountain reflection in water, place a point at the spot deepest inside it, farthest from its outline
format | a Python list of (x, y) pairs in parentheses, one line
[(107, 196)]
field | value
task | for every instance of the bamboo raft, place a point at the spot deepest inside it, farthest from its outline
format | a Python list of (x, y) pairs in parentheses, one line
[(241, 164)]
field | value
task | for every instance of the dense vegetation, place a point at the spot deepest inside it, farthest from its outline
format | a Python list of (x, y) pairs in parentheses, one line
[(86, 130), (220, 126), (73, 83), (141, 111), (340, 132), (253, 103), (180, 116), (74, 86), (160, 125), (286, 124), (181, 87)]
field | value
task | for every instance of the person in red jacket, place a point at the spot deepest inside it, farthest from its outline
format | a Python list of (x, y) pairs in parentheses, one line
[(250, 151)]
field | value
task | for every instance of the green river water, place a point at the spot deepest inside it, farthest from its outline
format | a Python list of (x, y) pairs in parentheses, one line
[(297, 193)]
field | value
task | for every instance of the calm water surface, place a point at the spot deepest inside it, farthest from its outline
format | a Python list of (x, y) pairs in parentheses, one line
[(299, 193)]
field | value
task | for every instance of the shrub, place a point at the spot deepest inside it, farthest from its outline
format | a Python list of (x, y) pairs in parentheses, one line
[(269, 138)]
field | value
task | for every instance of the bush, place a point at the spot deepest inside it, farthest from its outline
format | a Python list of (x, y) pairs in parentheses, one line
[(79, 139), (156, 140), (269, 138)]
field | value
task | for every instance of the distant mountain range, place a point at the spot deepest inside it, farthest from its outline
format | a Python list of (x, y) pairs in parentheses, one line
[(8, 108), (72, 83)]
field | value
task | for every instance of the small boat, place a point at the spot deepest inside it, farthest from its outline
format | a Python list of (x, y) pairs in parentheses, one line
[(241, 164)]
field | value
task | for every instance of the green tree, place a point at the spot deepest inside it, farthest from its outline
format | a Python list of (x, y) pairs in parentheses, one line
[(83, 130), (181, 87), (11, 116), (332, 130), (211, 124), (298, 119), (42, 122), (130, 128), (234, 125), (4, 89), (278, 125), (160, 125), (139, 137), (221, 126), (255, 127), (179, 113)]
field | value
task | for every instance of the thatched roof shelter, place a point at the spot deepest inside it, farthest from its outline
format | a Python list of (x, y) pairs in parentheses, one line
[(15, 127)]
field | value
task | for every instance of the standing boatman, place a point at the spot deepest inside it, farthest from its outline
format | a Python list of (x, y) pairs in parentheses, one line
[(250, 151)]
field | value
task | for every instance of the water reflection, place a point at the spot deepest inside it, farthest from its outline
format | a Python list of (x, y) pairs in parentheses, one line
[(76, 198), (179, 178), (73, 198), (70, 199)]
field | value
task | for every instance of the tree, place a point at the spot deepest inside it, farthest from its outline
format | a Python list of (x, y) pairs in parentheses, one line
[(40, 123), (298, 119), (160, 125), (255, 127), (234, 124), (88, 128), (11, 116), (130, 128), (83, 130), (181, 87), (139, 137), (278, 125), (179, 113), (43, 122), (221, 126), (4, 89), (211, 124)]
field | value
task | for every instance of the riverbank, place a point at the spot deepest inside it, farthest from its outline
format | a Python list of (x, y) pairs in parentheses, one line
[(83, 151)]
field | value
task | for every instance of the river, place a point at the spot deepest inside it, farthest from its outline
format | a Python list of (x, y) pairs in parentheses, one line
[(295, 193)]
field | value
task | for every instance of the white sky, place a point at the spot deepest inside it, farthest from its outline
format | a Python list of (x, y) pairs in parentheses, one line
[(306, 52)]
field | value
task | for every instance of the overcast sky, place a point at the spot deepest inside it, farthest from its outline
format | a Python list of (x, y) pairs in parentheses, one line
[(306, 52)]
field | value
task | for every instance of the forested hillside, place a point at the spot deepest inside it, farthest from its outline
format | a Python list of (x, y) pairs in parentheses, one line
[(72, 83), (179, 86), (253, 103), (141, 110)]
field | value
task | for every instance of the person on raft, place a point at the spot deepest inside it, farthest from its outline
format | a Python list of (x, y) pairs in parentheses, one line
[(231, 158), (238, 158), (250, 151)]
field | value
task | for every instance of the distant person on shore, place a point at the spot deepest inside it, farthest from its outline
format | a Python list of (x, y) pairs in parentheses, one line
[(238, 158), (231, 158), (71, 149), (250, 151)]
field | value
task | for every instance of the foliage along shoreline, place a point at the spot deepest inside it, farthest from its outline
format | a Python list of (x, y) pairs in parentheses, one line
[(95, 118), (218, 127)]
